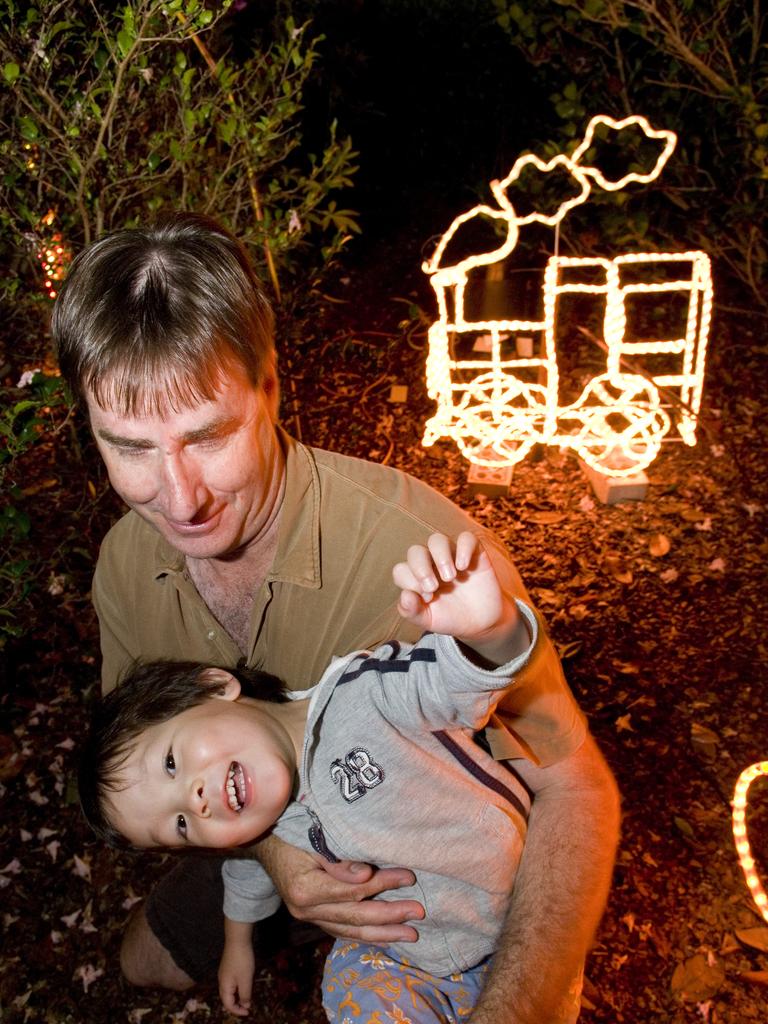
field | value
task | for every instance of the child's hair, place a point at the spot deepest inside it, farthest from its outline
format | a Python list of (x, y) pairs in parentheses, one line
[(148, 694)]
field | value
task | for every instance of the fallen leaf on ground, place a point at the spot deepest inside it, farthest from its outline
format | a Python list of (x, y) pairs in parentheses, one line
[(44, 485), (88, 974), (11, 761), (729, 944), (704, 740), (545, 518), (659, 545), (755, 937), (695, 980), (684, 827), (569, 650), (81, 868), (754, 977)]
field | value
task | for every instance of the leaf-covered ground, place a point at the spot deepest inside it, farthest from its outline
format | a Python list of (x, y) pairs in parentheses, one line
[(658, 609)]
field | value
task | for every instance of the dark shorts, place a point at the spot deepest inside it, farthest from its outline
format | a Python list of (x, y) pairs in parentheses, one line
[(184, 912)]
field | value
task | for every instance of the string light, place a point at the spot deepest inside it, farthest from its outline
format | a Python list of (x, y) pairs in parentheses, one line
[(617, 424), (746, 860), (54, 255), (31, 155)]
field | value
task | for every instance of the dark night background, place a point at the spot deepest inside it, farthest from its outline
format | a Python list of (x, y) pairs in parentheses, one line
[(665, 652)]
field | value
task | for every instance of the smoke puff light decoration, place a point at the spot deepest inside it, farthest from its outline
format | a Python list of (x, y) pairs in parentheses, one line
[(496, 405)]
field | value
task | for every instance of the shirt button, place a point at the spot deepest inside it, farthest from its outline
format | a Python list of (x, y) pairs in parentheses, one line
[(211, 634)]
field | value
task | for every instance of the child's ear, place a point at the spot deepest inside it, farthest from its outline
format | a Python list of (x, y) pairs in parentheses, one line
[(228, 686)]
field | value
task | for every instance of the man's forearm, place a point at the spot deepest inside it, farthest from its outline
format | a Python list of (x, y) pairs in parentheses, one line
[(559, 895)]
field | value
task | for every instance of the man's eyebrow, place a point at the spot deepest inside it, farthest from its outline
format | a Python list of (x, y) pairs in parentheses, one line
[(123, 442), (209, 432)]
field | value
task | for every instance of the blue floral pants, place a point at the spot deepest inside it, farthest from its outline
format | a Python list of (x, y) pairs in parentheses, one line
[(364, 985)]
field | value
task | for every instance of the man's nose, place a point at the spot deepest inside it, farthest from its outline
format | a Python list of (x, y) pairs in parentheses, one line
[(182, 488), (200, 805)]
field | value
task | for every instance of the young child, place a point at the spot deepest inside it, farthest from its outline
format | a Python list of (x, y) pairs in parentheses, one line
[(377, 765)]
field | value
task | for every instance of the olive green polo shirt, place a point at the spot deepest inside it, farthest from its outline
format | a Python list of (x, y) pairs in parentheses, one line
[(343, 524)]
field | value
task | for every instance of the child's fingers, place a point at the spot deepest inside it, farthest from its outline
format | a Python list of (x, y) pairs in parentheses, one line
[(419, 559), (441, 552), (228, 995), (467, 544), (410, 604), (417, 573), (404, 578)]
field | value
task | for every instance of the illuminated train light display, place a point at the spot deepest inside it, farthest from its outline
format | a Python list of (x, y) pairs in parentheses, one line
[(496, 404)]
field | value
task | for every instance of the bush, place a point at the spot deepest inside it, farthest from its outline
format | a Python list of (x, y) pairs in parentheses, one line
[(110, 114), (32, 413)]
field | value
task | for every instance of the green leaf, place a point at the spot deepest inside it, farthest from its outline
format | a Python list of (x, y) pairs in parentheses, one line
[(125, 41), (28, 129), (11, 72), (226, 128), (22, 406), (60, 26)]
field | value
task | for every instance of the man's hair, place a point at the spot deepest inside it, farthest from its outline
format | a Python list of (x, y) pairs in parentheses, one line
[(149, 694), (151, 318)]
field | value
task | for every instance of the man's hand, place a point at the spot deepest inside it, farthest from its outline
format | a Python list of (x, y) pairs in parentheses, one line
[(339, 897), (453, 589)]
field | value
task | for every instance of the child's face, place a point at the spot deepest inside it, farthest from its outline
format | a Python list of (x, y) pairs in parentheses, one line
[(217, 775)]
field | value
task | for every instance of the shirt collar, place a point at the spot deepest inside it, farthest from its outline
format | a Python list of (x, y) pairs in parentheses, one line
[(298, 541)]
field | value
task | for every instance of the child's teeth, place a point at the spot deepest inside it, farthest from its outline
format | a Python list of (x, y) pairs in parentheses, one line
[(232, 797)]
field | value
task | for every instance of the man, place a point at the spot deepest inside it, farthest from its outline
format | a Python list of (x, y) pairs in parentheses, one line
[(228, 554)]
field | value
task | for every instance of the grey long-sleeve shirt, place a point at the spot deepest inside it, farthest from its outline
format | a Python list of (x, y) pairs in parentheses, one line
[(390, 776)]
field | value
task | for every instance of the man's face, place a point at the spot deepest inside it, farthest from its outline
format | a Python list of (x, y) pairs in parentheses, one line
[(208, 477), (217, 775)]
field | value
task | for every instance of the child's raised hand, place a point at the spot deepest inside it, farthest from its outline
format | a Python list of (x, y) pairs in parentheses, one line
[(450, 588)]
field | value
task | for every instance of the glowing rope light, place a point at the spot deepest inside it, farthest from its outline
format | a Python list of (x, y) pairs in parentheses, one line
[(617, 424), (670, 141), (746, 778), (53, 255)]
